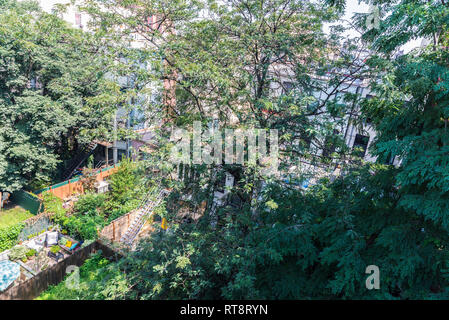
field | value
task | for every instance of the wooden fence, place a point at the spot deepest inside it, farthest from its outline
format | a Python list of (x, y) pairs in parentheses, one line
[(34, 286), (74, 186), (118, 227), (27, 201)]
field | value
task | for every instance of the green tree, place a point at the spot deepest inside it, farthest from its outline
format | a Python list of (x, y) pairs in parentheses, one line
[(125, 186), (411, 114), (49, 71), (291, 244), (222, 65)]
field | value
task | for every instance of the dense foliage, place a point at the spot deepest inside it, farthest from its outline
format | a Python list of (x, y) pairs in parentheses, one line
[(279, 242), (48, 73), (126, 188), (11, 216), (92, 275), (270, 239), (91, 212), (9, 236)]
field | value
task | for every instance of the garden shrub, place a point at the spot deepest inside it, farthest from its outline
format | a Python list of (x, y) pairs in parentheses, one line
[(30, 253), (124, 185), (78, 224), (87, 217), (88, 179), (124, 209), (9, 236), (90, 203), (18, 253)]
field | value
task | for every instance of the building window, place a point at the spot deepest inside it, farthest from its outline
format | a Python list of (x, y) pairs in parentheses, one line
[(360, 145), (78, 22), (287, 87), (34, 84), (330, 144)]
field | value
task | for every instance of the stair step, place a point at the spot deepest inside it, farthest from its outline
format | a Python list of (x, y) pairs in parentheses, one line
[(138, 222)]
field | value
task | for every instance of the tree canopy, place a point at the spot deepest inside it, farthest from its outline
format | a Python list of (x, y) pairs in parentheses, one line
[(49, 70), (291, 244), (261, 63)]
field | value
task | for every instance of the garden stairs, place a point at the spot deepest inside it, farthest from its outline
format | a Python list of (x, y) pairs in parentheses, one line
[(78, 160), (145, 211)]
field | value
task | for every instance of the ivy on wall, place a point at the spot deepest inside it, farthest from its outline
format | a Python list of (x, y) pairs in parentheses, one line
[(9, 236)]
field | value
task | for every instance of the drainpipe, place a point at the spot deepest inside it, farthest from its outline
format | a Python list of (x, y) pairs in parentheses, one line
[(106, 154), (128, 125), (353, 107), (114, 144)]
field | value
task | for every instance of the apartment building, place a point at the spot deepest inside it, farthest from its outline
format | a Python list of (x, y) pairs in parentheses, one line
[(135, 116)]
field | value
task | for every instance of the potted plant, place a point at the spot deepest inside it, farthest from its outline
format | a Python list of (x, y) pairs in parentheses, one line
[(30, 254), (55, 253), (55, 249)]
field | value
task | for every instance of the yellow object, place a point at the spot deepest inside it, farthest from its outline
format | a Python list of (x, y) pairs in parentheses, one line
[(68, 244), (164, 224)]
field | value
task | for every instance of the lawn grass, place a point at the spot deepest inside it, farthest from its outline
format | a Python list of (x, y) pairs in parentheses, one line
[(9, 217)]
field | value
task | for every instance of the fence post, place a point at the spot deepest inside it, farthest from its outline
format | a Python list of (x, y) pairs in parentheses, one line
[(113, 231)]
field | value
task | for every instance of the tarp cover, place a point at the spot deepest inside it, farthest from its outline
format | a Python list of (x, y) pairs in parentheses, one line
[(9, 271)]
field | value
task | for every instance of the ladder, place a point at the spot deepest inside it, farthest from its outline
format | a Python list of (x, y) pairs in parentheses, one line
[(137, 224)]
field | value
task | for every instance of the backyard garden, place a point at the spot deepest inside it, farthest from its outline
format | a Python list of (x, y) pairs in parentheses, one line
[(93, 211), (29, 246)]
